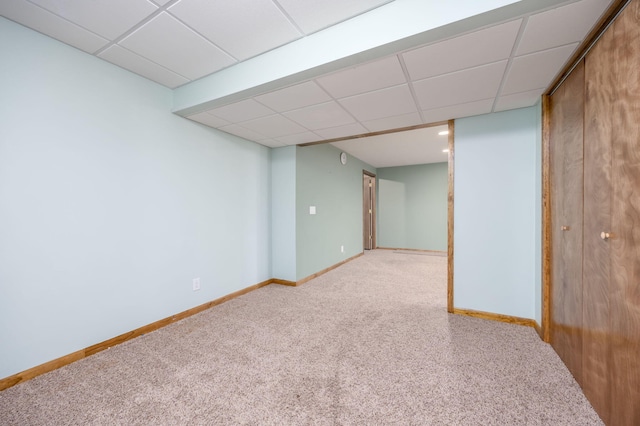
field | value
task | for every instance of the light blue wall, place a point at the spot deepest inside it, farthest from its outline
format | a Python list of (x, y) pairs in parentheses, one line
[(495, 213), (110, 205), (283, 212), (537, 235), (336, 192), (412, 206)]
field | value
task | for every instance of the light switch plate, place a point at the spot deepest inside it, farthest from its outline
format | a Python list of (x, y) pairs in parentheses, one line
[(312, 209)]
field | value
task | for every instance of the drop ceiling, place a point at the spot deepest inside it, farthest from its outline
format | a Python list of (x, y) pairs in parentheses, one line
[(503, 62)]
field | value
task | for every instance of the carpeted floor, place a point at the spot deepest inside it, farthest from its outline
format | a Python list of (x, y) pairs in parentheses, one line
[(368, 343)]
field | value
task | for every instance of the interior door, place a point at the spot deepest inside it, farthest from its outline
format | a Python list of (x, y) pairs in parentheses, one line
[(599, 84), (566, 137), (624, 239), (369, 210)]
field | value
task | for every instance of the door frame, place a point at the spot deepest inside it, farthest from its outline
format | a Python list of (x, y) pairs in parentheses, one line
[(451, 173), (374, 241)]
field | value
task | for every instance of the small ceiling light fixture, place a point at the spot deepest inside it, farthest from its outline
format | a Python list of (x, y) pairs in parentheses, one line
[(445, 150), (443, 133)]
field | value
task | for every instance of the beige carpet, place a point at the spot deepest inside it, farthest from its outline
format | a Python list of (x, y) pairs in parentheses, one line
[(368, 343)]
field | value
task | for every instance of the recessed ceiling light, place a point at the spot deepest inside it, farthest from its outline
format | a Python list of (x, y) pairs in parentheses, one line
[(444, 132), (445, 150)]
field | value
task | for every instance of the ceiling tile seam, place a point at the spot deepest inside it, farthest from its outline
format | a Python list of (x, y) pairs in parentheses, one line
[(288, 17), (267, 116), (292, 120), (337, 101), (243, 128), (207, 39), (144, 57), (133, 29), (507, 69), (457, 105), (414, 96), (75, 24), (243, 121), (548, 49)]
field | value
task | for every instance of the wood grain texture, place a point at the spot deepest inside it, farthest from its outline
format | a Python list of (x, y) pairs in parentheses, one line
[(451, 170), (625, 243), (588, 43), (495, 317), (566, 139), (599, 97), (546, 220), (284, 282)]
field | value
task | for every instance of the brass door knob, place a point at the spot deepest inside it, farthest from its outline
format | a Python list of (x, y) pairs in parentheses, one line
[(605, 235), (564, 228)]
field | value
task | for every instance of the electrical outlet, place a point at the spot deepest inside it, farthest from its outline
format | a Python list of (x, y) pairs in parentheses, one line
[(341, 249), (196, 284)]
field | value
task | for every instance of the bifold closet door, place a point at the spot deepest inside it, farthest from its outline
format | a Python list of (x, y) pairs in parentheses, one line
[(598, 137), (566, 134), (625, 231)]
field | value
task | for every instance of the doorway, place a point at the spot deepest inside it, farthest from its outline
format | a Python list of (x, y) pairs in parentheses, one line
[(369, 210)]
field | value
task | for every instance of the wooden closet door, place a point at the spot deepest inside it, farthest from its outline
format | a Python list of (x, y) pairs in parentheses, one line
[(625, 231), (598, 132), (566, 132)]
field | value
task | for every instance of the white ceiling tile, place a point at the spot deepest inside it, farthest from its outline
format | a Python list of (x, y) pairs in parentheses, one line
[(139, 65), (458, 111), (471, 50), (342, 131), (208, 119), (243, 28), (460, 87), (166, 41), (108, 18), (328, 114), (421, 146), (537, 70), (241, 111), (271, 143), (240, 131), (52, 25), (161, 2), (299, 138), (376, 75), (273, 126), (298, 96), (564, 25), (396, 122), (380, 104), (314, 15), (518, 100)]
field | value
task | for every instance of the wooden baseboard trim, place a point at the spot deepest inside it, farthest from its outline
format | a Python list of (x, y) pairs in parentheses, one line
[(23, 376), (330, 268), (283, 282), (411, 249), (538, 330), (495, 317)]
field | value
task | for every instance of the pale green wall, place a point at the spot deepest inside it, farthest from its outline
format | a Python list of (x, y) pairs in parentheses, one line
[(336, 191), (495, 221), (110, 204), (412, 206), (283, 213)]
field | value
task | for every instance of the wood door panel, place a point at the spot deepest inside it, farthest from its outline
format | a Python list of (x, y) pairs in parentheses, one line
[(625, 241), (566, 133), (599, 93)]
